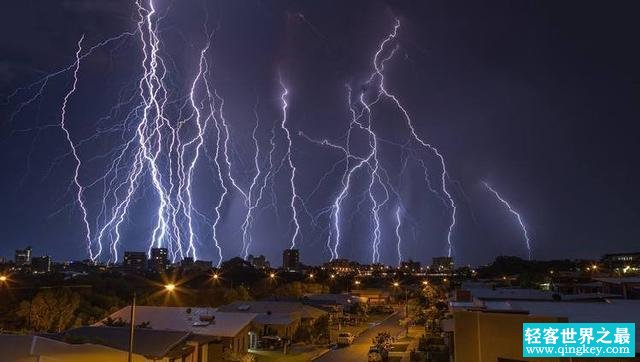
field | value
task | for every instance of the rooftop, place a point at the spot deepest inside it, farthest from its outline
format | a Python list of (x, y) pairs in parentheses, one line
[(485, 293), (274, 308), (623, 280), (618, 310), (203, 321), (148, 342), (342, 299), (614, 310), (21, 348)]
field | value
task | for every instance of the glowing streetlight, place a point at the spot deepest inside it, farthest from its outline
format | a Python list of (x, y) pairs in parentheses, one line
[(215, 276), (396, 284), (333, 276), (357, 282), (311, 276), (170, 287), (424, 282), (3, 278), (272, 275)]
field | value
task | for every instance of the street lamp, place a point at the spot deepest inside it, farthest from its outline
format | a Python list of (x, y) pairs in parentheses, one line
[(406, 299), (170, 287), (3, 278), (215, 276)]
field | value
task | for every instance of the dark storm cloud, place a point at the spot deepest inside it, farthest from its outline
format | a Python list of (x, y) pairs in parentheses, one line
[(107, 7), (538, 98)]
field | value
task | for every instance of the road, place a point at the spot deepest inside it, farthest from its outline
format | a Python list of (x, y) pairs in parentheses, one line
[(359, 350)]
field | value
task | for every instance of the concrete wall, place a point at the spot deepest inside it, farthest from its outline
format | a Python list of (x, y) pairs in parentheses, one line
[(485, 337)]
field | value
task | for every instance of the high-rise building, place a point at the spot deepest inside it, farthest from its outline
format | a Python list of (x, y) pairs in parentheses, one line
[(442, 264), (410, 266), (41, 264), (159, 259), (291, 259), (23, 256), (621, 260), (135, 260), (258, 262)]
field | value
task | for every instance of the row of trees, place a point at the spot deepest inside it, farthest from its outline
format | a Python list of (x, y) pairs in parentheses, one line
[(30, 304)]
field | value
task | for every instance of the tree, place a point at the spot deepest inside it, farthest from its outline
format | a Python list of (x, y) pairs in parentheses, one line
[(50, 310), (360, 311), (321, 329)]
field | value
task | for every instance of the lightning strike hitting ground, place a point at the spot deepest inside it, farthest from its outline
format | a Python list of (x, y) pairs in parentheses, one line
[(166, 133), (292, 180), (74, 151), (379, 68), (504, 202), (399, 239)]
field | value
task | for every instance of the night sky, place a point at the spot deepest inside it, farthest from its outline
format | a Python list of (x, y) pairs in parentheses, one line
[(537, 98)]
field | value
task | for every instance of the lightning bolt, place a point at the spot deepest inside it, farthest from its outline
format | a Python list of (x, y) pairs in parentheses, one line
[(292, 167), (165, 133), (379, 68), (506, 204), (398, 238), (252, 203), (74, 151)]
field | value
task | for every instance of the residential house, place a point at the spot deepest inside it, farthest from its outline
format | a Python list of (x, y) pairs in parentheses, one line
[(276, 317), (214, 334), (154, 345), (29, 348)]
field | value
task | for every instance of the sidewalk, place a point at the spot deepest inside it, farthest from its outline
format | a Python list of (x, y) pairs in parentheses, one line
[(413, 338)]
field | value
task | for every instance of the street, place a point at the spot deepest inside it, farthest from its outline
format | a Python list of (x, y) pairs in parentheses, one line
[(358, 351)]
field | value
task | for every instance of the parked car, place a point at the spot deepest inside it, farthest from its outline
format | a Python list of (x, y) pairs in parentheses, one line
[(345, 339), (378, 354), (270, 342)]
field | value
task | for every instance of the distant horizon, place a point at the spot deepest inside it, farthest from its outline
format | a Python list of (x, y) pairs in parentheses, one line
[(327, 261)]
